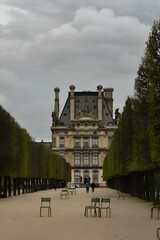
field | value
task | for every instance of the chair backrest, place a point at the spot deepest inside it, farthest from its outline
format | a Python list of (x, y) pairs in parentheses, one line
[(105, 201), (95, 201), (45, 201), (65, 190)]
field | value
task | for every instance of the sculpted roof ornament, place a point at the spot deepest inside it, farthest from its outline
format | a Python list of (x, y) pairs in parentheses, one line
[(85, 114)]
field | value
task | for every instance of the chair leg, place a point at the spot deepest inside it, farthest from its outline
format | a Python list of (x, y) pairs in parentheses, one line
[(151, 212), (109, 212), (158, 229), (49, 212), (90, 212), (86, 212), (96, 209), (40, 212), (158, 213)]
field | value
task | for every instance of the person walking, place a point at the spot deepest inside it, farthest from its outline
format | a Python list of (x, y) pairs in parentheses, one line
[(87, 187), (93, 186)]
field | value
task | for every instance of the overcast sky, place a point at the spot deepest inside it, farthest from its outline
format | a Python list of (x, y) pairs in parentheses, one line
[(56, 43)]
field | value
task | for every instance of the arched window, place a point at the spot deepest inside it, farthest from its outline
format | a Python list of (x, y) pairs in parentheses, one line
[(86, 176), (95, 176), (77, 176)]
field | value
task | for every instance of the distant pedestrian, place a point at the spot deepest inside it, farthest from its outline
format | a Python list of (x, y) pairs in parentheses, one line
[(87, 187), (55, 185), (93, 186), (80, 179), (89, 179)]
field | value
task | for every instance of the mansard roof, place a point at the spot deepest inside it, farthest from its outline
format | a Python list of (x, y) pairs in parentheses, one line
[(85, 108)]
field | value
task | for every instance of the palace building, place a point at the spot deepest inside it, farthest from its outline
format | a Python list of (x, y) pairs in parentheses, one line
[(83, 131)]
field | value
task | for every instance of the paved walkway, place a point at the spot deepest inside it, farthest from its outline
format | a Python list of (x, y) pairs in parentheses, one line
[(19, 218)]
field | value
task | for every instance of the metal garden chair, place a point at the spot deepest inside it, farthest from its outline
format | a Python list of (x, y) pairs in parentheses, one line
[(95, 203), (45, 204), (105, 205)]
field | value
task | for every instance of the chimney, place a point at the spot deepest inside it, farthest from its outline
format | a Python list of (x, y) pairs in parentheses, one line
[(56, 104), (108, 95), (72, 88), (99, 88)]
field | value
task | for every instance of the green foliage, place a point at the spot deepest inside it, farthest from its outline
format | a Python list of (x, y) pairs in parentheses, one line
[(152, 62), (5, 142), (136, 143), (21, 157)]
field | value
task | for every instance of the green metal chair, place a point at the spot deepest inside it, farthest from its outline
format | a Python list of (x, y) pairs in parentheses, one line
[(64, 193), (95, 203), (105, 205), (45, 204)]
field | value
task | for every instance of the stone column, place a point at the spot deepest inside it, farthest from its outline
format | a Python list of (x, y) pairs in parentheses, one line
[(72, 88), (108, 95), (99, 88), (56, 104)]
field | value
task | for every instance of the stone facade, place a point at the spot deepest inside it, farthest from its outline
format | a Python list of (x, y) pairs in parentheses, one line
[(83, 132)]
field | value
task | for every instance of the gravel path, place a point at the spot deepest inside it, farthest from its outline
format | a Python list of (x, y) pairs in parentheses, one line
[(19, 218)]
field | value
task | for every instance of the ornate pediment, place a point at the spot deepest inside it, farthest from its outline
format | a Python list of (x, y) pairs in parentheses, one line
[(85, 115)]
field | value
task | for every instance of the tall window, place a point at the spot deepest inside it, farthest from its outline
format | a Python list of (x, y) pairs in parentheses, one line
[(61, 142), (95, 142), (77, 177), (85, 142), (77, 159), (95, 176), (86, 173), (77, 142), (95, 159), (86, 159)]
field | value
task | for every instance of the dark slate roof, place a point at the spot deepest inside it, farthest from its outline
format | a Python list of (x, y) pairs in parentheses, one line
[(85, 100)]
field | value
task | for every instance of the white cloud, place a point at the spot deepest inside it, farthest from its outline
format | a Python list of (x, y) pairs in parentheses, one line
[(79, 39), (5, 18), (8, 13)]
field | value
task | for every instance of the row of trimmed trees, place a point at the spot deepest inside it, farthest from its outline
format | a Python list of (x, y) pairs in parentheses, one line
[(132, 163), (25, 165)]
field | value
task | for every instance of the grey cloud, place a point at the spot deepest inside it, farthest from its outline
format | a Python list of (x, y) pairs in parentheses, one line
[(49, 44), (68, 42)]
